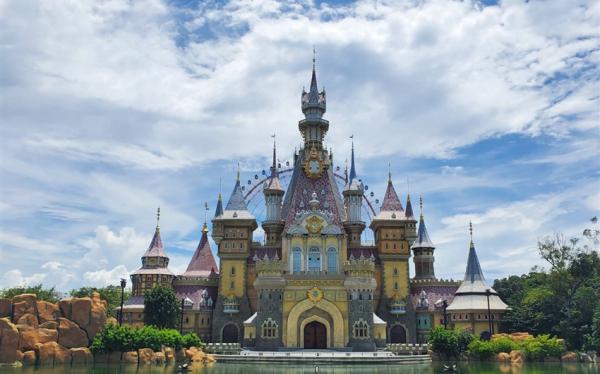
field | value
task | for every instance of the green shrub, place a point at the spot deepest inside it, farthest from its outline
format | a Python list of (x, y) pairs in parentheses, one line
[(533, 349), (449, 342), (481, 348), (125, 338), (504, 344)]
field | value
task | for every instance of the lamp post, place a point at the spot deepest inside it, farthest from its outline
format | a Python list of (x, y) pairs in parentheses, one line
[(487, 294), (123, 284), (445, 305), (181, 320)]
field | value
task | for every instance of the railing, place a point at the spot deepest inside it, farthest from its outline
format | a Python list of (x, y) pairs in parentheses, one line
[(408, 349), (223, 348)]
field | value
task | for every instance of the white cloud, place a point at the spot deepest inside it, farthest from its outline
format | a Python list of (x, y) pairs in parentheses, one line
[(102, 278)]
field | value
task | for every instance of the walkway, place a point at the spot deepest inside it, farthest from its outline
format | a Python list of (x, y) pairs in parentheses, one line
[(323, 357)]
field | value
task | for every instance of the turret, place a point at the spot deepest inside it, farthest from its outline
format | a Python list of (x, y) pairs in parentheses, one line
[(423, 250), (313, 127), (273, 191), (353, 193)]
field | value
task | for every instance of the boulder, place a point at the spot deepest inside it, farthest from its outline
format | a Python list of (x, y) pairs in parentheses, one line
[(81, 356), (130, 357), (588, 357), (191, 352), (112, 321), (145, 356), (99, 358), (70, 335), (47, 311), (210, 358), (9, 341), (29, 358), (517, 357), (53, 325), (65, 308), (169, 354), (29, 338), (20, 309), (520, 336), (570, 357), (503, 357), (5, 307), (114, 357), (45, 352), (159, 358), (80, 310), (28, 319), (97, 318), (199, 357), (62, 355)]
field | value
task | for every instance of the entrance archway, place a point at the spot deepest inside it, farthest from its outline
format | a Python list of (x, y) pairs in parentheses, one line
[(398, 334), (230, 334), (315, 336)]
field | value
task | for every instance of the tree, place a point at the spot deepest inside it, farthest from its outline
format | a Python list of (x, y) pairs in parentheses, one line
[(161, 308), (46, 294), (112, 295)]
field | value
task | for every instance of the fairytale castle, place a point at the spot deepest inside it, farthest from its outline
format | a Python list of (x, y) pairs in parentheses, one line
[(312, 283)]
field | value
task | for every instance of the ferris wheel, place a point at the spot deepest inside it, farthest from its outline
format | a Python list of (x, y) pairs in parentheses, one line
[(255, 201)]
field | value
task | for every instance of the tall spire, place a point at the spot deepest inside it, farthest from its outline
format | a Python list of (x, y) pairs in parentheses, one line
[(203, 261), (273, 183), (236, 200), (274, 164), (313, 101), (205, 226), (158, 219), (422, 240), (391, 202), (352, 167), (409, 209), (473, 272), (156, 246)]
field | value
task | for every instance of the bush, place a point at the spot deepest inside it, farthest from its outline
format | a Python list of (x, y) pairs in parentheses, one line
[(449, 342), (125, 338), (503, 344), (481, 348)]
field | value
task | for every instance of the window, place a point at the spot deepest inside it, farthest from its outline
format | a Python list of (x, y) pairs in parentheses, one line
[(360, 329), (232, 285), (233, 271), (395, 271), (296, 260), (332, 260), (396, 286), (269, 328), (314, 259)]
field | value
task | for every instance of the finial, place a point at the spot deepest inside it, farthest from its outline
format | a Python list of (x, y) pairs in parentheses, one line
[(314, 56), (421, 205), (205, 226), (471, 231), (389, 172), (274, 166), (408, 187), (158, 218), (238, 172)]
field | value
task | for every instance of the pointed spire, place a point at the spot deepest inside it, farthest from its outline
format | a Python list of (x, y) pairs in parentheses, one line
[(313, 99), (156, 246), (205, 226), (158, 219), (473, 272), (274, 165), (409, 210), (313, 93), (422, 240), (352, 167), (203, 262), (273, 184), (236, 200), (219, 209), (391, 202)]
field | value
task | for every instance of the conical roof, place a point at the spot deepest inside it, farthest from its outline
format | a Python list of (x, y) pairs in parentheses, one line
[(353, 184), (473, 272), (391, 202), (409, 210), (273, 184), (236, 201), (156, 248), (203, 261), (422, 240), (219, 209)]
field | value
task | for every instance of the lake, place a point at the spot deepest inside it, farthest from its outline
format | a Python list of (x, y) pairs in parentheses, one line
[(470, 368)]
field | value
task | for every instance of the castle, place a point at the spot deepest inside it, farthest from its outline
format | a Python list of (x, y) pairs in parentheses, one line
[(313, 284)]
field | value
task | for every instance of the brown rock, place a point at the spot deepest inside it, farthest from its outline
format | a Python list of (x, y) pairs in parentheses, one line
[(191, 352), (97, 316), (65, 308), (503, 357), (210, 358), (28, 319), (81, 356), (112, 321), (47, 311), (20, 309), (570, 357), (96, 299), (180, 354), (159, 358), (145, 356), (80, 310), (29, 338), (62, 355), (114, 357), (29, 358), (45, 353), (169, 354), (99, 358), (199, 357), (517, 357), (520, 336), (53, 325), (130, 357), (9, 341), (5, 307), (70, 335)]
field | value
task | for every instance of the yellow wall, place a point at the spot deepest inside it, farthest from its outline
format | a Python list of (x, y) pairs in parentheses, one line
[(238, 278), (390, 278)]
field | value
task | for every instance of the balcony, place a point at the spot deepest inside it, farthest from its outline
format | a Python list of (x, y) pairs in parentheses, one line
[(231, 305), (398, 307)]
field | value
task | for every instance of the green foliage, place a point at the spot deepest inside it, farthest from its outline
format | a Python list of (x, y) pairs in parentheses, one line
[(161, 308), (481, 349), (535, 349), (592, 340), (46, 294), (503, 344), (112, 295), (125, 338), (542, 346), (449, 342)]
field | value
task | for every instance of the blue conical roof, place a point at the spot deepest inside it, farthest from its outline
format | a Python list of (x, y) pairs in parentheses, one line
[(219, 209), (473, 272), (409, 209), (422, 240), (237, 201)]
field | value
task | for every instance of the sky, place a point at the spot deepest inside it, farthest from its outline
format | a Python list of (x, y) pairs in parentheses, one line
[(108, 109)]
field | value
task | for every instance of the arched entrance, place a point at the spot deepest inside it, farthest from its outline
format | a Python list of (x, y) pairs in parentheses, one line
[(230, 334), (315, 336), (398, 334)]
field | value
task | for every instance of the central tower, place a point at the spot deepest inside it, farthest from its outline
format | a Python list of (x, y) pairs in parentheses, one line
[(313, 127)]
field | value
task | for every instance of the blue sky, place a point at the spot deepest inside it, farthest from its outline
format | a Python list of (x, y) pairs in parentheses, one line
[(110, 109)]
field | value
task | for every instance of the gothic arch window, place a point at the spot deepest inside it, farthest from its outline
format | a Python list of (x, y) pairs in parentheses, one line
[(396, 286), (360, 329), (332, 260), (269, 329), (296, 260), (233, 270), (314, 259), (395, 271)]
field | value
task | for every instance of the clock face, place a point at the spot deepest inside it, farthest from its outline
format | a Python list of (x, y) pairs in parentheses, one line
[(314, 166)]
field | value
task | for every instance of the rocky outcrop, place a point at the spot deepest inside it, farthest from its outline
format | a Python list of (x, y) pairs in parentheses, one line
[(28, 319), (80, 310), (80, 356), (62, 355), (29, 358), (169, 354), (517, 357), (29, 338), (9, 341), (5, 307), (47, 311), (570, 357), (145, 356), (159, 358), (49, 325), (70, 335), (45, 353), (130, 357), (23, 304), (503, 357)]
